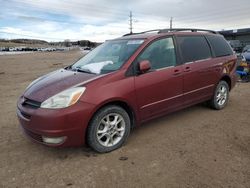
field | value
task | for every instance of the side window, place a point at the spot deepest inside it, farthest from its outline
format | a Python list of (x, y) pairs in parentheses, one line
[(160, 53), (194, 48), (219, 45)]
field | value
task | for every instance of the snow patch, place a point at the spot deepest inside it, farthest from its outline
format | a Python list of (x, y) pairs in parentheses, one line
[(96, 67)]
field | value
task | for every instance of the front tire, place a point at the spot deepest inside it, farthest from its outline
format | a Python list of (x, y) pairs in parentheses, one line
[(221, 96), (108, 129)]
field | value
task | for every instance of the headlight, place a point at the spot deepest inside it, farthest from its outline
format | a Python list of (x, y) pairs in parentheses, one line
[(64, 99)]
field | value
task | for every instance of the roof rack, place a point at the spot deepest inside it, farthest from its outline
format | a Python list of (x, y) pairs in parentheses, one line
[(149, 31), (172, 30), (186, 29)]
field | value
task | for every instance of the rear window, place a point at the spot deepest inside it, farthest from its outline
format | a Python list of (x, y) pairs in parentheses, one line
[(219, 45), (194, 48)]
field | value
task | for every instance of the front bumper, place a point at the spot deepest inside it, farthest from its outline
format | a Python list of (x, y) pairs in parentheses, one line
[(70, 123)]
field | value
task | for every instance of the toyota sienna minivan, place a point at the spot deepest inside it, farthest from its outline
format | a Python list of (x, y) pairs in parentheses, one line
[(124, 82)]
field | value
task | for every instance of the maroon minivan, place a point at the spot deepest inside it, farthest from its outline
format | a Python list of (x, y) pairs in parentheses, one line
[(125, 82)]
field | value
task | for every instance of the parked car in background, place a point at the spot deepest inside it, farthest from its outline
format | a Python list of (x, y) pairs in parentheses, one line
[(243, 69), (246, 53), (236, 45), (246, 48), (87, 48), (125, 82)]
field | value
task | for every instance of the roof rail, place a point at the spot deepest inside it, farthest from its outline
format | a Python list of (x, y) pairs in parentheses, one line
[(172, 30), (149, 31), (186, 29)]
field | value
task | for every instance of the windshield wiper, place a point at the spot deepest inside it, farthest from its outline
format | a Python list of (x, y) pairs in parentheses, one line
[(78, 69)]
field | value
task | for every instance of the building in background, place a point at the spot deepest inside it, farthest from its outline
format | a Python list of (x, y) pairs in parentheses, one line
[(243, 35)]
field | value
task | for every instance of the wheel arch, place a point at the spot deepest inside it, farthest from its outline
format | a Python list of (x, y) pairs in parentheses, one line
[(120, 103), (227, 79), (128, 108)]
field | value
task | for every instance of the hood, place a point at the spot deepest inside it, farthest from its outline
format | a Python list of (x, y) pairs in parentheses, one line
[(246, 55), (55, 82)]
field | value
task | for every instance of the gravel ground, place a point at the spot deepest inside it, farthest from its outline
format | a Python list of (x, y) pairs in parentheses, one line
[(196, 147)]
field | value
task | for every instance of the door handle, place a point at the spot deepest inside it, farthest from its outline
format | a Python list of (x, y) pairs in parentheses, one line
[(187, 69), (177, 72)]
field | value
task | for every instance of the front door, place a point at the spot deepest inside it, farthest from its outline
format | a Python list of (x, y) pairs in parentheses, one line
[(160, 89)]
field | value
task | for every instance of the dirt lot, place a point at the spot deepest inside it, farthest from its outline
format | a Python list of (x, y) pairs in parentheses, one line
[(196, 147)]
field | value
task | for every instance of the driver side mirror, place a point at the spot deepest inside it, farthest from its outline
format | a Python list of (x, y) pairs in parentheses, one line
[(144, 66)]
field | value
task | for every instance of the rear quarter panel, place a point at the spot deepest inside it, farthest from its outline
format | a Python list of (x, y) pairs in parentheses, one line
[(226, 66)]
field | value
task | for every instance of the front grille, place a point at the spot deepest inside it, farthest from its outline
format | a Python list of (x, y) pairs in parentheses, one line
[(33, 135), (27, 116), (31, 103)]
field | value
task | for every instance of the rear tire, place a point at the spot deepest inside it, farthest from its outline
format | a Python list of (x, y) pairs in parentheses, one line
[(108, 129), (221, 96)]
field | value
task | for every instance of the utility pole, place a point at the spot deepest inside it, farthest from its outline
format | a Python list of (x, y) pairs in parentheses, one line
[(131, 22), (171, 23)]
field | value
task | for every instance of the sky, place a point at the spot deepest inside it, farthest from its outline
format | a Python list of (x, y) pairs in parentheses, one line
[(99, 20)]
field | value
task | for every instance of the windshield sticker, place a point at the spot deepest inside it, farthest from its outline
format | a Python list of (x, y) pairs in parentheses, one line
[(135, 42)]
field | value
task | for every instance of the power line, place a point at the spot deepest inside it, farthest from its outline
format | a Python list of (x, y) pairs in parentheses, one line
[(226, 20), (119, 12), (104, 10), (180, 19)]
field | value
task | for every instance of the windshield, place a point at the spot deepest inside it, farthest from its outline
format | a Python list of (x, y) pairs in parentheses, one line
[(108, 57)]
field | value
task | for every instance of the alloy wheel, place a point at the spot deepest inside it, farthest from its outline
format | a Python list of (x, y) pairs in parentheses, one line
[(110, 130), (221, 95)]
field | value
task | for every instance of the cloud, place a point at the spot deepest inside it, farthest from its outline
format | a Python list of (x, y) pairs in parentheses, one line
[(94, 12), (31, 18), (99, 20), (51, 32)]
